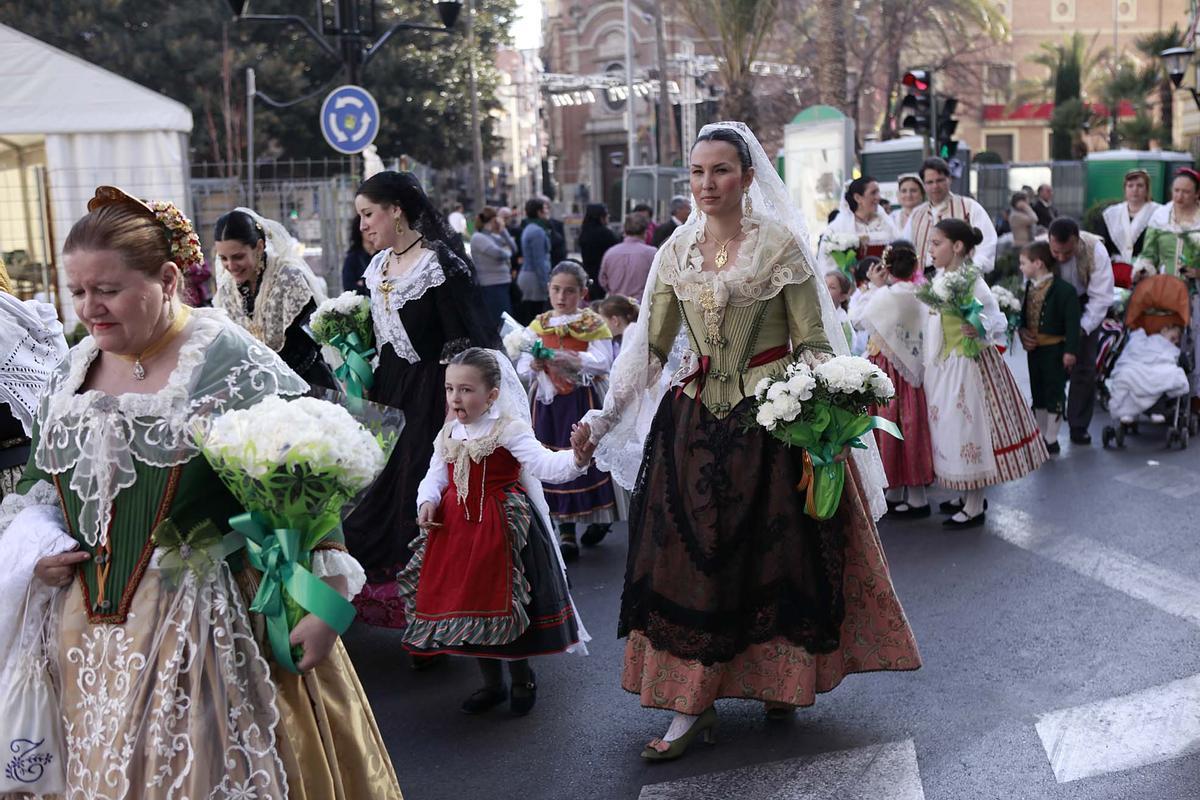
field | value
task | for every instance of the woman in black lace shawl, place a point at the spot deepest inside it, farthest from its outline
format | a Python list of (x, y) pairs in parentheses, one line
[(426, 308)]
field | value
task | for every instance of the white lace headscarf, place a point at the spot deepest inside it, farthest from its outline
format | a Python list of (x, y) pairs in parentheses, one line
[(636, 387), (285, 286)]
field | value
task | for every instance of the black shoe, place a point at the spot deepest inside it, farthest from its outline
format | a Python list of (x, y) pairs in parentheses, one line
[(905, 511), (1080, 436), (969, 522), (484, 699), (425, 663), (594, 534), (523, 696), (1053, 448), (954, 506), (566, 542)]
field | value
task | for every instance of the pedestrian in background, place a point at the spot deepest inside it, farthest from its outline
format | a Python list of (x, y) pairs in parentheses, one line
[(681, 207), (626, 266), (1043, 205), (595, 239), (1021, 220), (644, 208), (356, 261), (491, 251), (458, 220), (534, 276)]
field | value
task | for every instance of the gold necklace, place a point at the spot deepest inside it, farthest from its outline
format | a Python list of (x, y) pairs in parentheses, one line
[(388, 284), (177, 325), (722, 256)]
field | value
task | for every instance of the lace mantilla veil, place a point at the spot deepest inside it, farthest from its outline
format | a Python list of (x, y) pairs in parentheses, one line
[(277, 306), (637, 387), (513, 403)]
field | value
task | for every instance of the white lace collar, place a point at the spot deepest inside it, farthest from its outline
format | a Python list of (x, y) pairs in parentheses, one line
[(477, 429), (426, 274), (98, 435)]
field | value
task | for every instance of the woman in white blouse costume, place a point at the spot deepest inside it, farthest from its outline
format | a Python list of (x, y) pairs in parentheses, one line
[(859, 215)]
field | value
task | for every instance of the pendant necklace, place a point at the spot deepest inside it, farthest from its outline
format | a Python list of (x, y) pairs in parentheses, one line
[(722, 256), (386, 285), (177, 325)]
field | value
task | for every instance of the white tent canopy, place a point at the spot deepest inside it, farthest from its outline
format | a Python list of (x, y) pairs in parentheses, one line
[(83, 126)]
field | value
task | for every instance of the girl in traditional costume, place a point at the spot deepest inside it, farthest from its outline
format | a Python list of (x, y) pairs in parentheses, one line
[(163, 687), (731, 590), (486, 579), (265, 285), (860, 216), (425, 308), (619, 313), (565, 388), (1050, 335), (895, 321), (981, 430)]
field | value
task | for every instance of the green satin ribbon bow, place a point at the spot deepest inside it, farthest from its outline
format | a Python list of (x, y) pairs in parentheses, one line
[(197, 552), (355, 371), (845, 260), (972, 314), (287, 589), (540, 351), (823, 438)]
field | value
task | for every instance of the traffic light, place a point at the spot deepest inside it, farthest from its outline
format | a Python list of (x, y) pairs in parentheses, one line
[(947, 145), (915, 107)]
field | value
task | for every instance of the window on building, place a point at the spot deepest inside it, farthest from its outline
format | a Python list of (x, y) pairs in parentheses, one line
[(998, 83), (1002, 144)]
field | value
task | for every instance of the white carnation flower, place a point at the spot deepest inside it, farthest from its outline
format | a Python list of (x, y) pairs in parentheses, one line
[(776, 391), (801, 385), (766, 416), (786, 408), (760, 391)]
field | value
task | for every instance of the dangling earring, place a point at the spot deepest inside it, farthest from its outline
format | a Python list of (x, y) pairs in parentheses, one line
[(399, 225), (749, 207)]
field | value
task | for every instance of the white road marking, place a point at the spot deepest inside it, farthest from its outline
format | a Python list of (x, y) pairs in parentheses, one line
[(864, 773)]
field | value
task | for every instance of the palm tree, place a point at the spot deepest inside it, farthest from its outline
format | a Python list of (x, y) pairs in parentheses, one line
[(1127, 83), (742, 28), (1067, 63), (1150, 46), (831, 53)]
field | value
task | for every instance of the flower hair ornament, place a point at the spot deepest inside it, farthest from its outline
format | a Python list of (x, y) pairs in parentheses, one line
[(184, 243)]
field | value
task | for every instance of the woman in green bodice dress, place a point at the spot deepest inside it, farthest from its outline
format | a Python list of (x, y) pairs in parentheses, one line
[(162, 679), (730, 589)]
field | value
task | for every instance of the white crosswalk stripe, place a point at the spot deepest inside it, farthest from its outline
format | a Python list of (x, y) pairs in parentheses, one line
[(865, 773)]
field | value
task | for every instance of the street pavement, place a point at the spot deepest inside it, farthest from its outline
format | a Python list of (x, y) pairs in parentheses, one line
[(1062, 660)]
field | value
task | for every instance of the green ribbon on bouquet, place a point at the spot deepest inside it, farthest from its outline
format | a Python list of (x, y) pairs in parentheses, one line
[(288, 590), (540, 351), (845, 260), (823, 437), (972, 314), (355, 371)]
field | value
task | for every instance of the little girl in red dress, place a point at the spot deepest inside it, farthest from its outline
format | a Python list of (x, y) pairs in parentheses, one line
[(486, 578)]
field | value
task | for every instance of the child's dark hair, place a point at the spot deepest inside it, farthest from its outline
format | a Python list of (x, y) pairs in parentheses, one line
[(863, 268), (958, 231), (1040, 251), (901, 259), (572, 268), (616, 305), (482, 360)]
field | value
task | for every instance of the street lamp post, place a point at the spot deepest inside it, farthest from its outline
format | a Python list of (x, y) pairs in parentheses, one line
[(1177, 59)]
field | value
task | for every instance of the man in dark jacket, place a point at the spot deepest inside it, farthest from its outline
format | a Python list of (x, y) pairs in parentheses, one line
[(680, 209)]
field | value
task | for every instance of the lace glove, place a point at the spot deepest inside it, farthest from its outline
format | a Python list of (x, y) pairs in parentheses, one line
[(811, 358), (620, 395)]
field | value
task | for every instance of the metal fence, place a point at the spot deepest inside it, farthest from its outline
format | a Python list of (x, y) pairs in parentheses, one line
[(996, 183)]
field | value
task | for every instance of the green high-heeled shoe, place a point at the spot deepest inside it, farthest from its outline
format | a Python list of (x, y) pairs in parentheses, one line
[(705, 727)]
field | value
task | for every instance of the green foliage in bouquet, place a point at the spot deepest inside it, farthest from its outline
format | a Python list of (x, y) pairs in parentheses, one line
[(344, 323)]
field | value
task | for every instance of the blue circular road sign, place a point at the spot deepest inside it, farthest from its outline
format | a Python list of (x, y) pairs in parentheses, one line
[(349, 119)]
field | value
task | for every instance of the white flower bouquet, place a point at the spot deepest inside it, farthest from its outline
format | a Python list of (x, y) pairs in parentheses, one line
[(822, 410), (293, 465), (1010, 304), (843, 249), (952, 294), (344, 323)]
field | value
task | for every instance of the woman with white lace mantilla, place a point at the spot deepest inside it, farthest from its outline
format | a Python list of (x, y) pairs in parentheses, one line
[(426, 308), (163, 686), (731, 591), (265, 285)]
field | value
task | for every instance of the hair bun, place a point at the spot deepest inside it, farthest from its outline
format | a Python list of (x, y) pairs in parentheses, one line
[(976, 236), (113, 196)]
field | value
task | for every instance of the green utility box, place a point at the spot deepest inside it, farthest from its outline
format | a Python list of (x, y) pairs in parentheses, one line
[(1106, 173)]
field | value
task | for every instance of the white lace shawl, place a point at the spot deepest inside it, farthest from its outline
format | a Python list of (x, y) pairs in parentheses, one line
[(220, 367), (424, 275), (31, 346), (285, 286), (636, 385)]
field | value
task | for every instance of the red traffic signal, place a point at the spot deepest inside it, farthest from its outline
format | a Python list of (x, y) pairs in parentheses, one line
[(916, 79)]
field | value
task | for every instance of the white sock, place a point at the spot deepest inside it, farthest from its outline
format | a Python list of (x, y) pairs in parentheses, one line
[(973, 503), (916, 497), (1042, 417), (1050, 432), (894, 494), (680, 724)]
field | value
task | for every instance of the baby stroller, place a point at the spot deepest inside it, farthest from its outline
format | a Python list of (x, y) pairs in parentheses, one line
[(1158, 302)]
